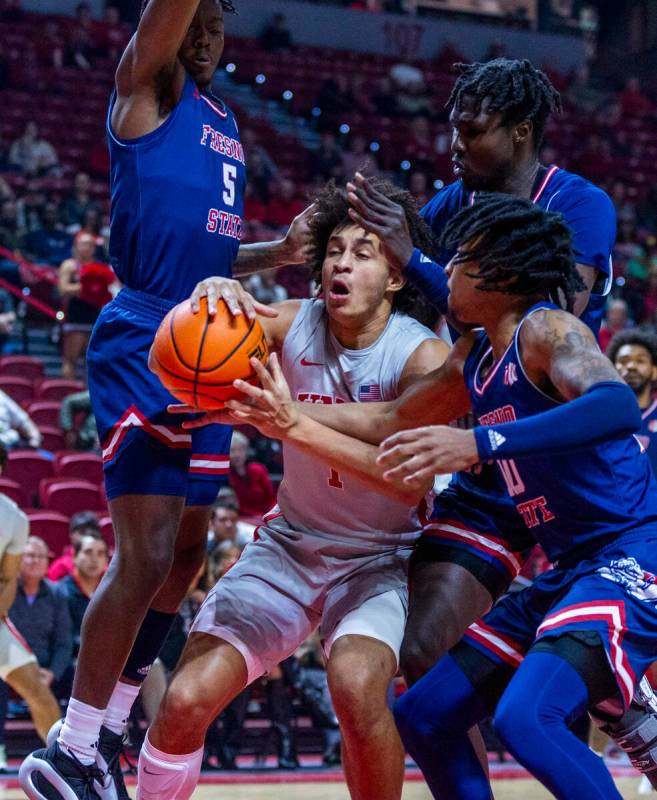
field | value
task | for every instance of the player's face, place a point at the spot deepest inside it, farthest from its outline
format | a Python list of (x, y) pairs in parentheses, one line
[(465, 300), (635, 366), (482, 146), (356, 275), (203, 46)]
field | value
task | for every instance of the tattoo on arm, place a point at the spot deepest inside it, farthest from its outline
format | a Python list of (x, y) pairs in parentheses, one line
[(258, 257)]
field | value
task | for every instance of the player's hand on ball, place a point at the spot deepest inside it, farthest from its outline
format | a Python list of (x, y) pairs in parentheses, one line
[(237, 299), (376, 213), (415, 455), (220, 415), (268, 407), (297, 238)]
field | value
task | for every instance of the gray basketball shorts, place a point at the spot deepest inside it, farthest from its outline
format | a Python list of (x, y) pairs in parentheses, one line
[(287, 584)]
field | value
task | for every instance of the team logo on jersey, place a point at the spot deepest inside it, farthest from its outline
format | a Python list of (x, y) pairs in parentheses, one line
[(496, 440), (510, 374), (627, 573), (369, 393)]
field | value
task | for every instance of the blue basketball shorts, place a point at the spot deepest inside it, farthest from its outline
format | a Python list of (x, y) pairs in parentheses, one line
[(145, 449), (612, 593), (488, 539)]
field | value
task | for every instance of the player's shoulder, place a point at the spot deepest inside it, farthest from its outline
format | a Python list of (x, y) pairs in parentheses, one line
[(550, 327), (446, 202), (405, 323), (567, 189)]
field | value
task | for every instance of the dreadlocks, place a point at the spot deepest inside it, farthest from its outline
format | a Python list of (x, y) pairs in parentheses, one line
[(332, 215), (514, 88), (519, 248), (633, 337), (227, 6)]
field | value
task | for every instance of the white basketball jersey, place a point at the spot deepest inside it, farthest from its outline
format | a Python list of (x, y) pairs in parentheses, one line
[(14, 527), (313, 497)]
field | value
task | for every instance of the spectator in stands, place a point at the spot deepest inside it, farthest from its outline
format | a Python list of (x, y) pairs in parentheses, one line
[(7, 318), (31, 154), (358, 158), (40, 615), (418, 186), (616, 319), (83, 307), (264, 288), (276, 36), (16, 427), (78, 201), (284, 205), (82, 524), (90, 562), (83, 42), (224, 529), (29, 207), (10, 233), (113, 34), (581, 96), (12, 11), (51, 45), (79, 431), (262, 169), (410, 90), (326, 161), (250, 480), (49, 243), (633, 101)]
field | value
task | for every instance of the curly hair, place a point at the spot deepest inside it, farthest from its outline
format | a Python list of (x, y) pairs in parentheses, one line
[(332, 215), (513, 87), (227, 6), (634, 336), (519, 248)]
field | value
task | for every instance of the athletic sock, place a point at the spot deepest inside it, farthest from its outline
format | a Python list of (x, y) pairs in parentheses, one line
[(120, 704), (79, 733), (163, 776), (532, 718)]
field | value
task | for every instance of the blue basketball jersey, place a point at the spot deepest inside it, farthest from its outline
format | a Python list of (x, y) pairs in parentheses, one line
[(177, 198), (570, 502), (586, 209), (648, 435)]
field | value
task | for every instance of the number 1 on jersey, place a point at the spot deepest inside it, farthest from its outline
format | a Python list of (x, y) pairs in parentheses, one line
[(335, 481)]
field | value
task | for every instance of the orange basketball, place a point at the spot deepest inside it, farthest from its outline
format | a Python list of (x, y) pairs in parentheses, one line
[(197, 357)]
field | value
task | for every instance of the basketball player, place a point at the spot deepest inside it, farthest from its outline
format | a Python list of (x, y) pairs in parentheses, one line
[(634, 354), (333, 554), (473, 544), (559, 423), (177, 181), (18, 664)]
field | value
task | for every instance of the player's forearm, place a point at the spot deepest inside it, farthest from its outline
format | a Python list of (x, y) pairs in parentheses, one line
[(429, 278), (367, 422), (260, 256), (349, 456)]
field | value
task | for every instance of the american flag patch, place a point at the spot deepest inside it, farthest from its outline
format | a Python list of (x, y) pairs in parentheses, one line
[(369, 393)]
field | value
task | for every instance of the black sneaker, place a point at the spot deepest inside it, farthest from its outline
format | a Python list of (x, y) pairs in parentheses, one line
[(51, 774), (110, 750)]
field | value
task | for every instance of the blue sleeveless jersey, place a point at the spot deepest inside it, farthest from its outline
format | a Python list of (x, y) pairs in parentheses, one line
[(591, 216), (177, 198), (648, 434), (572, 503)]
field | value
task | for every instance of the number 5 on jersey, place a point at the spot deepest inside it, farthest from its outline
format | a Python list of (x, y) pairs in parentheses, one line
[(230, 176)]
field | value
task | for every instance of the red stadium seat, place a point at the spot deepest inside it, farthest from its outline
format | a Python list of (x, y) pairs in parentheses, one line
[(52, 527), (44, 412), (19, 389), (13, 490), (107, 531), (52, 438), (57, 388), (28, 469), (69, 496), (28, 367), (84, 466)]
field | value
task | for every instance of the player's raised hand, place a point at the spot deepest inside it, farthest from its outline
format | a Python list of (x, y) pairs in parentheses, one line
[(268, 407), (237, 299), (379, 215), (415, 455), (297, 238)]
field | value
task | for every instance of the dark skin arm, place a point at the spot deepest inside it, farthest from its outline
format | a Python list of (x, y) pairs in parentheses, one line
[(559, 355), (376, 213), (149, 78)]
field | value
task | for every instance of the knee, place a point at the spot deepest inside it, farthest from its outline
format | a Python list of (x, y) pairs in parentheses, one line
[(143, 565), (359, 700), (183, 710), (420, 650), (188, 561)]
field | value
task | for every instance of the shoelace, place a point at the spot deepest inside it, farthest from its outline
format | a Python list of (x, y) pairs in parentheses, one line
[(88, 772)]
